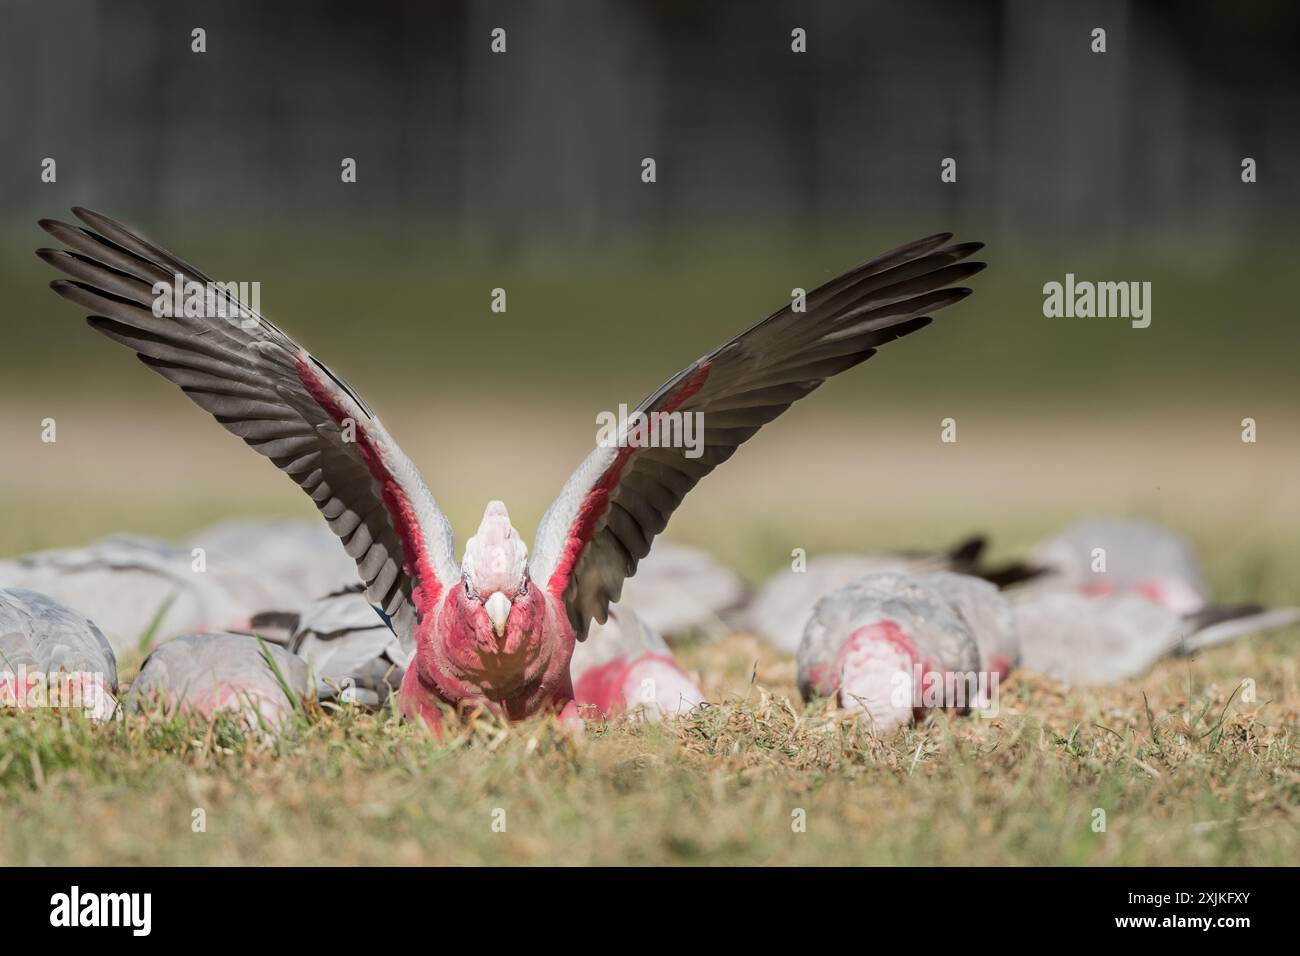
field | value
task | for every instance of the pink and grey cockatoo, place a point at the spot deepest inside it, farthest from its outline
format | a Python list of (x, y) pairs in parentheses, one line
[(1103, 639), (350, 648), (894, 646), (782, 606), (51, 655), (625, 664), (353, 653), (1115, 556), (207, 673), (496, 630)]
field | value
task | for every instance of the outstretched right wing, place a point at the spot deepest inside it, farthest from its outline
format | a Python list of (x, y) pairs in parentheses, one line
[(620, 498), (262, 386)]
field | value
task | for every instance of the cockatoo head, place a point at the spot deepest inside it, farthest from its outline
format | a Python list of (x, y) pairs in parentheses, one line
[(495, 566)]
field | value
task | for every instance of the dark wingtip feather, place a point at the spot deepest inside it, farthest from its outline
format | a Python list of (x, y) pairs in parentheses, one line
[(98, 221), (960, 250), (969, 550)]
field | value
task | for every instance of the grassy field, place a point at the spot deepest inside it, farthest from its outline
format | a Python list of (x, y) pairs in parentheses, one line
[(1185, 768), (1199, 779)]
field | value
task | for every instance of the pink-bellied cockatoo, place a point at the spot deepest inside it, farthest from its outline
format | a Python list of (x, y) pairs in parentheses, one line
[(497, 629), (625, 664), (207, 673), (863, 639), (353, 653), (1099, 556), (782, 606), (53, 656), (895, 645)]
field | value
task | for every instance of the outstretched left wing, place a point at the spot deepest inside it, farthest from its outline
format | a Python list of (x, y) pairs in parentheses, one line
[(281, 400), (611, 508)]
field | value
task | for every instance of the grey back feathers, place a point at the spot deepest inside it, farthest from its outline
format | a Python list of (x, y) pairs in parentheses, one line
[(208, 673), (351, 651), (1136, 554)]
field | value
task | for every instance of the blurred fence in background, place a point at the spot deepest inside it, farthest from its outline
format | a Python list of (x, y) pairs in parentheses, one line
[(543, 145)]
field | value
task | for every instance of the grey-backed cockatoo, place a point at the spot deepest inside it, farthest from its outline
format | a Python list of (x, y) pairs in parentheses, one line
[(630, 665), (207, 673), (782, 606), (1101, 556), (895, 645), (52, 656), (495, 630), (1102, 639)]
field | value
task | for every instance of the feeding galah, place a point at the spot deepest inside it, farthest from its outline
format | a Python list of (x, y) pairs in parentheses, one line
[(496, 630), (207, 673), (626, 664), (895, 646), (52, 656), (1102, 639), (784, 603), (1101, 556), (350, 649), (679, 590)]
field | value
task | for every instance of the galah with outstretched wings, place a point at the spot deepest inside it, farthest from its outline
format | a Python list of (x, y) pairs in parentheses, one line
[(495, 630)]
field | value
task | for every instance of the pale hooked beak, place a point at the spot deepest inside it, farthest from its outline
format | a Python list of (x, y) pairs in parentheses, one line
[(498, 611)]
